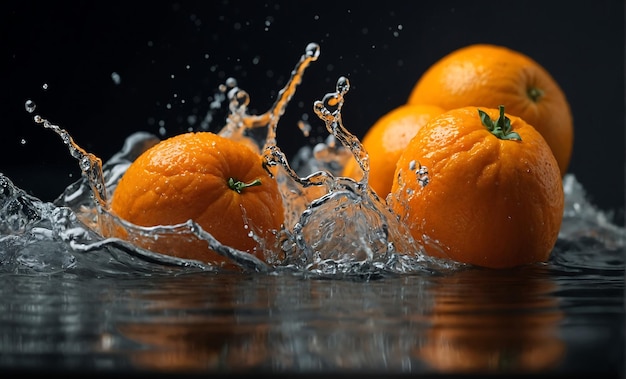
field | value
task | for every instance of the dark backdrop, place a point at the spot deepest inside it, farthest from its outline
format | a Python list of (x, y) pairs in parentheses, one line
[(171, 57)]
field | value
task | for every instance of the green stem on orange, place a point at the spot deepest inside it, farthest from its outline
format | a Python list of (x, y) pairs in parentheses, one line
[(237, 185), (501, 128), (534, 94)]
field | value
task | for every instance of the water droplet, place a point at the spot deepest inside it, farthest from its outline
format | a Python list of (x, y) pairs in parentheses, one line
[(424, 181), (343, 85), (240, 98), (45, 86), (23, 141), (313, 50), (85, 163), (231, 82), (305, 127), (116, 78), (30, 106)]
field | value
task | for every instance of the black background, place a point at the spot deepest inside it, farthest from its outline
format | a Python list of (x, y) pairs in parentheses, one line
[(172, 56)]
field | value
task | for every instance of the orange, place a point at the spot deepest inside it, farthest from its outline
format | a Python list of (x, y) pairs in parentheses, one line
[(492, 200), (217, 182), (385, 141), (488, 76)]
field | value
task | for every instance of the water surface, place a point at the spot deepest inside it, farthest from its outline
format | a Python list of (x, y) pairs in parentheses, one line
[(108, 311)]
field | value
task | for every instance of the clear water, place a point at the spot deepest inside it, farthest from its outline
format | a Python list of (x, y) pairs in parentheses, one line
[(350, 296)]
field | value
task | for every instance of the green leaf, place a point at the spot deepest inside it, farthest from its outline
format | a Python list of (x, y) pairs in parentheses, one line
[(501, 128)]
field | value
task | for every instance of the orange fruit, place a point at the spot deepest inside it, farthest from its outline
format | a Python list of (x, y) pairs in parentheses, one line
[(488, 76), (492, 200), (217, 182), (385, 141)]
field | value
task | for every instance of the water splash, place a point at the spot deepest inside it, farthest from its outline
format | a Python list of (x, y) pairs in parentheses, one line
[(334, 225), (239, 122), (348, 229), (90, 164), (367, 236)]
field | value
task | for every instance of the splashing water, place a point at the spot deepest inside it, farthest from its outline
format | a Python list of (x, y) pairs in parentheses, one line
[(334, 225), (365, 234)]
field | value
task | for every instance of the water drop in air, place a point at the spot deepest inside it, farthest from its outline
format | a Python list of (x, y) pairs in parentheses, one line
[(117, 79), (30, 106)]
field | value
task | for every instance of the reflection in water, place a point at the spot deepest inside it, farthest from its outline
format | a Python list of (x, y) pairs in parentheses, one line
[(454, 322), (494, 321), (278, 323), (200, 345), (535, 320), (184, 329)]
